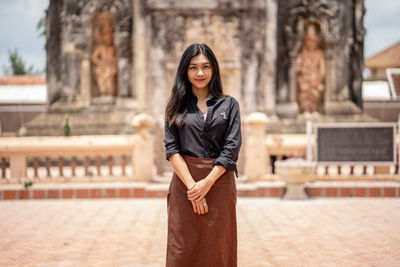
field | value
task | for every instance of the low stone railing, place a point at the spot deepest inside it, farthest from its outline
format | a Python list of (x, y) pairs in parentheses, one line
[(260, 148), (94, 157)]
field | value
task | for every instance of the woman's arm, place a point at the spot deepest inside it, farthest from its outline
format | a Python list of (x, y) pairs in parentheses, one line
[(172, 147), (202, 187), (181, 170)]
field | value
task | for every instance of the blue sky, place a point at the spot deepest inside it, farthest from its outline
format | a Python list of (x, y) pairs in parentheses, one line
[(18, 19)]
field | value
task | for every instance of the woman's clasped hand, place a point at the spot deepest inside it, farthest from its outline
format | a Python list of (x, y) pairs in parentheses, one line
[(196, 194), (200, 207)]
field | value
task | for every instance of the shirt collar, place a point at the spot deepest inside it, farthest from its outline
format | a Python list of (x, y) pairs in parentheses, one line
[(193, 99)]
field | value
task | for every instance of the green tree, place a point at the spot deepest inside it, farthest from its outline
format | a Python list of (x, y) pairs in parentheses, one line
[(41, 26), (17, 65)]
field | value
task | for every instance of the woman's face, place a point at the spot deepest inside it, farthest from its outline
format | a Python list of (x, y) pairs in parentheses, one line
[(199, 71)]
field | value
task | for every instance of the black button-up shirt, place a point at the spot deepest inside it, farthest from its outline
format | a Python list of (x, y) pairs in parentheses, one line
[(219, 136)]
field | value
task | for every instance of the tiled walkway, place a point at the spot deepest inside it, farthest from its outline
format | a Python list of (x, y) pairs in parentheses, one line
[(132, 232)]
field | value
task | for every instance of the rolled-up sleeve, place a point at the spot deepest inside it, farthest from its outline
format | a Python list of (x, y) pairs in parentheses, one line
[(233, 140), (171, 140)]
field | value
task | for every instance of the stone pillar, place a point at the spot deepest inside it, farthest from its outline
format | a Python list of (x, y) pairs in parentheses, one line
[(85, 80), (139, 43), (143, 155), (270, 55), (257, 158), (18, 166)]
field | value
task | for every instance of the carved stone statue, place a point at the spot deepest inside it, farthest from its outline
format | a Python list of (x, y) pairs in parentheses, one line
[(104, 60), (310, 72)]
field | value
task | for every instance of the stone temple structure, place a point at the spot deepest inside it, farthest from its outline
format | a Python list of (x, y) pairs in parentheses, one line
[(320, 59), (109, 59)]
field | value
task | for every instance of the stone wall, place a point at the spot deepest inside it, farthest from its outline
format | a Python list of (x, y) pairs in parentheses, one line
[(247, 37), (151, 35), (235, 30), (69, 42), (256, 43), (53, 48)]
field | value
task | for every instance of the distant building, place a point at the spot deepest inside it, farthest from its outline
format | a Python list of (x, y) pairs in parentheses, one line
[(22, 98), (386, 59), (381, 89)]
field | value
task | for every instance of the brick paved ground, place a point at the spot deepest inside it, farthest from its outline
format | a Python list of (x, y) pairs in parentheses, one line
[(132, 232)]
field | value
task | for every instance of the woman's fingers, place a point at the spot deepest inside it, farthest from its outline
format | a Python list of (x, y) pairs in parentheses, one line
[(199, 199), (198, 191), (200, 207), (195, 196), (192, 187), (205, 206), (193, 192), (194, 207)]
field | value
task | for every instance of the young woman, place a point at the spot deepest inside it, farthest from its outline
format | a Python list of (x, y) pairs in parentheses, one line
[(202, 141)]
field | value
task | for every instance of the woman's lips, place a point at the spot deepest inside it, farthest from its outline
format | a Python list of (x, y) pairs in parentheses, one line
[(200, 80)]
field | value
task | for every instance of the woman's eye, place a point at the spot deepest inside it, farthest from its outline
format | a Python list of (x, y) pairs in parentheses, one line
[(192, 68), (206, 67)]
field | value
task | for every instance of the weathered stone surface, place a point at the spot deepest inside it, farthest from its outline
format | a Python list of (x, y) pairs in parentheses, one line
[(256, 43), (69, 44), (53, 48), (310, 71), (101, 119), (103, 55), (237, 35), (343, 33)]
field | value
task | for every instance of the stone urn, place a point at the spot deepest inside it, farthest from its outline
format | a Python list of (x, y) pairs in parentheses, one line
[(295, 172)]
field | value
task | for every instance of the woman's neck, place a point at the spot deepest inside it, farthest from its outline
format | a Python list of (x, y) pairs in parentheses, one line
[(201, 93)]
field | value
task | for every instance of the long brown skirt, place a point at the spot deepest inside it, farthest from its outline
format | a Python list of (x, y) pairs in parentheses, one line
[(203, 240)]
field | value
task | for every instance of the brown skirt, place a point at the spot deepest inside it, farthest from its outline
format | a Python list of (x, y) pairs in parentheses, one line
[(203, 240)]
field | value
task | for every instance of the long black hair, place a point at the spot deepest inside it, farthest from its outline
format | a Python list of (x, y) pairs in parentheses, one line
[(175, 111)]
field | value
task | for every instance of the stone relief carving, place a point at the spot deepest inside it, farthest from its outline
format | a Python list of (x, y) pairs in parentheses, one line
[(103, 56), (326, 15), (77, 81), (323, 10), (216, 31), (310, 72)]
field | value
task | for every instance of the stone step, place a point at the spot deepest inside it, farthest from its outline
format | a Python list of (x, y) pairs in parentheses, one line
[(159, 190)]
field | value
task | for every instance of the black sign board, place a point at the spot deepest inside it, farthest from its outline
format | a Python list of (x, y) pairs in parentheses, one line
[(359, 142)]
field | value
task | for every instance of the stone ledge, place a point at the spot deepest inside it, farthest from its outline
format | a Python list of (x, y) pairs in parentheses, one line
[(151, 190)]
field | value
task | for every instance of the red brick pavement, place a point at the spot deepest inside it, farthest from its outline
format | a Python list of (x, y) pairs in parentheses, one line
[(159, 190), (132, 232)]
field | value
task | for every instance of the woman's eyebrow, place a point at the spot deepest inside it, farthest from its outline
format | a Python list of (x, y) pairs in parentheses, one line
[(203, 63)]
